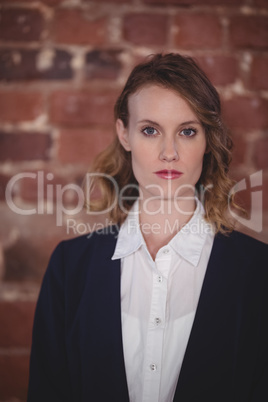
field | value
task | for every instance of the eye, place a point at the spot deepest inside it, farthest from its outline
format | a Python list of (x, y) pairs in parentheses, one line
[(188, 132), (149, 131)]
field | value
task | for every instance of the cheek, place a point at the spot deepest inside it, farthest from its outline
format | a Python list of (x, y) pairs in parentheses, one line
[(141, 153), (139, 166), (194, 158), (197, 152), (137, 160)]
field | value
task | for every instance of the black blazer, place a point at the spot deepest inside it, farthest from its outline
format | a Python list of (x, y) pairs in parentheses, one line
[(77, 352)]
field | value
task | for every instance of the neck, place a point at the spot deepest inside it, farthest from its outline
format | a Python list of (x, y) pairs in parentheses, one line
[(160, 220)]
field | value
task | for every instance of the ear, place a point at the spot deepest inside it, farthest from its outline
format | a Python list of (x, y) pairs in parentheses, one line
[(122, 133)]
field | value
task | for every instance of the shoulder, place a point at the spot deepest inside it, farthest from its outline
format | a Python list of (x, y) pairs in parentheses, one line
[(240, 241), (85, 244), (242, 252), (76, 263), (78, 253)]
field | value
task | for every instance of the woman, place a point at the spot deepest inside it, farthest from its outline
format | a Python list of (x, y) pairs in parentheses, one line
[(173, 304)]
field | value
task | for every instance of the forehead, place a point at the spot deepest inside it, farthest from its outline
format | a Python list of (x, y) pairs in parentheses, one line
[(158, 100)]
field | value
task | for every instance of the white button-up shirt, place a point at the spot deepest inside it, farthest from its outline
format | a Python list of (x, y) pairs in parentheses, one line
[(158, 301)]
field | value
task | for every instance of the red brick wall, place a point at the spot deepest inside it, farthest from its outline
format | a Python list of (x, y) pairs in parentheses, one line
[(62, 65)]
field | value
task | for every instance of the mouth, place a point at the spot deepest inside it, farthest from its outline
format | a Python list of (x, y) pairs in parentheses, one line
[(168, 174)]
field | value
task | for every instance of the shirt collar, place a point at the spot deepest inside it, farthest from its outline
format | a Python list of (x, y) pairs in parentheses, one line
[(130, 237), (188, 242)]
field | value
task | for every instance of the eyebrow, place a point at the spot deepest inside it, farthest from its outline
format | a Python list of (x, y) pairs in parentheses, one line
[(191, 122), (154, 123)]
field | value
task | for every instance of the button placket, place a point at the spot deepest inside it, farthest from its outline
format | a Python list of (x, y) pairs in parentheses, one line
[(155, 336)]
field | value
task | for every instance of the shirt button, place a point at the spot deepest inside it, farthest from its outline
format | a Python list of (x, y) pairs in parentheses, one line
[(160, 279), (157, 321), (165, 251), (153, 367)]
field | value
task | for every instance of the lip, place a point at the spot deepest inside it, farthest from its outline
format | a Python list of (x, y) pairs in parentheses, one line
[(168, 174)]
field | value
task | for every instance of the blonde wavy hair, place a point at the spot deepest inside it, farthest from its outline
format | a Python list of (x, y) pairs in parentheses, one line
[(183, 75)]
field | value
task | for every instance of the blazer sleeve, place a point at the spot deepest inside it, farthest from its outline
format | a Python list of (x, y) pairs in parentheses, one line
[(49, 377), (260, 392), (260, 387)]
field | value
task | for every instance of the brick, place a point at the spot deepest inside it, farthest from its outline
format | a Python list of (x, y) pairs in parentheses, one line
[(260, 156), (103, 64), (18, 106), (79, 108), (195, 2), (115, 1), (221, 70), (21, 24), (246, 112), (258, 76), (45, 183), (4, 179), (75, 27), (27, 64), (26, 260), (243, 197), (23, 146), (239, 149), (50, 3), (14, 369), (198, 31), (261, 3), (265, 193), (16, 319), (249, 32), (81, 146), (146, 29), (26, 254)]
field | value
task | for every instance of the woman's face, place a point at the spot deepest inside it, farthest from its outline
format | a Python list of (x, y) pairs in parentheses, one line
[(166, 140)]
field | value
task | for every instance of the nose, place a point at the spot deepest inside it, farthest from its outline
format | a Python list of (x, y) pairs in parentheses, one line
[(169, 151)]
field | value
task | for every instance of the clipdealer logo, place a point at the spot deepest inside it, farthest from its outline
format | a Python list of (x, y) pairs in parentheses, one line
[(50, 197), (255, 221), (46, 193)]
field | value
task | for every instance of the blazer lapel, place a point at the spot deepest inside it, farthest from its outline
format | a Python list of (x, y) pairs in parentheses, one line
[(209, 353), (98, 324)]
